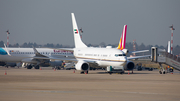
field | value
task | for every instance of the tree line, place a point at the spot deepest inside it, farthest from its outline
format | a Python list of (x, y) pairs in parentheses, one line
[(129, 46)]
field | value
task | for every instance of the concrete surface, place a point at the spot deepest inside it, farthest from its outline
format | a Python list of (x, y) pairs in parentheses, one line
[(21, 84)]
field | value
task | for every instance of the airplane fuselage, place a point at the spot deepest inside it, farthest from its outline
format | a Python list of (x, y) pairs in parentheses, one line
[(102, 56), (18, 54)]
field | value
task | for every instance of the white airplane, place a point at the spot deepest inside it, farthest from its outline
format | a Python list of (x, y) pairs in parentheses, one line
[(27, 56), (112, 58)]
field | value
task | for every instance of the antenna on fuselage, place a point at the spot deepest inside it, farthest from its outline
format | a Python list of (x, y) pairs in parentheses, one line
[(81, 31)]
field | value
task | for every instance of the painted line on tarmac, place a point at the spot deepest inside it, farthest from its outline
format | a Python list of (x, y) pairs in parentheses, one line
[(136, 92), (144, 93), (39, 91)]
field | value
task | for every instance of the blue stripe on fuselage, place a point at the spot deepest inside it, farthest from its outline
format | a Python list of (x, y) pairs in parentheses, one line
[(2, 52)]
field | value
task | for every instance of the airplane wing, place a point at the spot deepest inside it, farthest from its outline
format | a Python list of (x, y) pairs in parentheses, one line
[(137, 57), (63, 56), (90, 61), (64, 49), (56, 58), (139, 51)]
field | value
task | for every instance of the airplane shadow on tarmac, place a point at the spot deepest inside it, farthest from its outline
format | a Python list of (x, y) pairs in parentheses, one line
[(119, 73)]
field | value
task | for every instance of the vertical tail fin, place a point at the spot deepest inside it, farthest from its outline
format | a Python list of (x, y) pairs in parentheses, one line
[(77, 39), (122, 42)]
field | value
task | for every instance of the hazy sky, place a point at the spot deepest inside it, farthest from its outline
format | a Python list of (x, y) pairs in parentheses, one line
[(49, 21)]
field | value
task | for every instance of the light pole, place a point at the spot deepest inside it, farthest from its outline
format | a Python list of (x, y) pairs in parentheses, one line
[(172, 28), (7, 38)]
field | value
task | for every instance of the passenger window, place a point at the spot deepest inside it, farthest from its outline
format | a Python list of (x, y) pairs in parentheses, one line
[(116, 55), (120, 55)]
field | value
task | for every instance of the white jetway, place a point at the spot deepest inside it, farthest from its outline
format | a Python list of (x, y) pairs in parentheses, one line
[(162, 57)]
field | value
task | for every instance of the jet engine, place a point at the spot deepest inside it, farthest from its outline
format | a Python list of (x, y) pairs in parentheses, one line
[(11, 64), (81, 65), (55, 63), (129, 66)]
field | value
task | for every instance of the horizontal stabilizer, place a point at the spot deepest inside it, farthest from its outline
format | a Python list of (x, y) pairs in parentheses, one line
[(137, 57), (64, 49), (139, 51)]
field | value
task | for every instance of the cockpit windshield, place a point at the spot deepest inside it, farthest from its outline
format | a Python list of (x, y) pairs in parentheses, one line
[(120, 55)]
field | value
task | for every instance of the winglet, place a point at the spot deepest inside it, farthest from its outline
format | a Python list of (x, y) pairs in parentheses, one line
[(122, 42), (77, 39), (37, 53), (7, 50)]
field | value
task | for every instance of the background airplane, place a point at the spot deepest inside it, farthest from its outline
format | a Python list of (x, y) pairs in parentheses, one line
[(26, 56)]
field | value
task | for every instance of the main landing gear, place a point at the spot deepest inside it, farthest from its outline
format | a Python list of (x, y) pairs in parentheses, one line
[(161, 71), (84, 72)]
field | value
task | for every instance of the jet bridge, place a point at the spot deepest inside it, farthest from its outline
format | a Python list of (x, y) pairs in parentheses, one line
[(162, 57)]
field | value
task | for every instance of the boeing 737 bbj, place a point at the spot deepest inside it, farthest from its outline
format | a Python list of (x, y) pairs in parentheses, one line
[(112, 58)]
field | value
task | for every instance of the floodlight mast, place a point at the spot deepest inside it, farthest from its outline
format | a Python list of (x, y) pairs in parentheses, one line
[(7, 38), (172, 28), (134, 47)]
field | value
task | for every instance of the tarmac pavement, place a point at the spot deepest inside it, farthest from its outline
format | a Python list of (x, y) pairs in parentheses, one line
[(21, 84)]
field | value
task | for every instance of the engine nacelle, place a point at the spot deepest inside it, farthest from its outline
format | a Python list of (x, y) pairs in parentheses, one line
[(129, 65), (81, 65), (55, 63), (10, 64)]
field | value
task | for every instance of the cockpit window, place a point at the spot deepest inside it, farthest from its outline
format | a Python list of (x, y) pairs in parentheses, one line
[(120, 55)]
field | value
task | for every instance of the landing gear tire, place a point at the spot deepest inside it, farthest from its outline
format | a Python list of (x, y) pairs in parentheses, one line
[(36, 67), (150, 69), (29, 67), (110, 73), (82, 72), (171, 70), (58, 68), (122, 72)]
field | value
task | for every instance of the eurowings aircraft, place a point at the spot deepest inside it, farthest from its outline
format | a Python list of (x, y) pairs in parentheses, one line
[(28, 56)]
